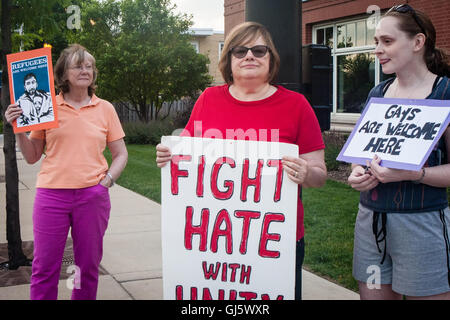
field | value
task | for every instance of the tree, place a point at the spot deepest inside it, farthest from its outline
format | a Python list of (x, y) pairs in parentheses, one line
[(143, 53), (15, 252), (36, 27)]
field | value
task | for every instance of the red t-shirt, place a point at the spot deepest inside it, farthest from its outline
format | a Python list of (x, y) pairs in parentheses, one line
[(285, 114)]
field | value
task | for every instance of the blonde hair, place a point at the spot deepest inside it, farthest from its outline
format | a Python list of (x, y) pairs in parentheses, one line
[(243, 33), (78, 54)]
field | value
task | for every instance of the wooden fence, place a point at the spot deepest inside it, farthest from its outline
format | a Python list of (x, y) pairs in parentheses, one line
[(126, 114)]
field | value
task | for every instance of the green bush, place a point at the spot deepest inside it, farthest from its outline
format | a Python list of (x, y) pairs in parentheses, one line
[(181, 118), (136, 132), (331, 153), (147, 133), (334, 141), (159, 129)]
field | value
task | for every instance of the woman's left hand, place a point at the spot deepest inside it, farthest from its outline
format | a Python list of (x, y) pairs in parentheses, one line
[(296, 168), (385, 175)]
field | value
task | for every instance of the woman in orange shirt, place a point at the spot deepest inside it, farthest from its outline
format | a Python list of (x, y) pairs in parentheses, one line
[(72, 184)]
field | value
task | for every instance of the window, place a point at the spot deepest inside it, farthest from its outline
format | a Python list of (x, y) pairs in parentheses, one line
[(220, 48), (325, 36), (361, 34), (196, 46), (355, 78), (355, 68)]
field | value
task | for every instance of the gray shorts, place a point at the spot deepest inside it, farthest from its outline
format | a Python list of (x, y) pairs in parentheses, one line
[(417, 252)]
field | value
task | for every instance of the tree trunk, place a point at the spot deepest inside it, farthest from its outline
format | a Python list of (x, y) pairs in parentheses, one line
[(170, 105), (158, 106), (151, 109), (15, 252)]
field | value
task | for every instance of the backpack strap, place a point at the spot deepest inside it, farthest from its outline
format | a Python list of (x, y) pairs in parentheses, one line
[(446, 91)]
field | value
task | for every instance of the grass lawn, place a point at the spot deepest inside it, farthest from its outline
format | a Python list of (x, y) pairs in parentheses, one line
[(330, 214), (141, 173)]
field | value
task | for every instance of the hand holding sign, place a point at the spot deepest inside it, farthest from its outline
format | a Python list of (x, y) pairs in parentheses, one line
[(12, 113), (362, 180), (163, 155), (386, 175), (297, 168)]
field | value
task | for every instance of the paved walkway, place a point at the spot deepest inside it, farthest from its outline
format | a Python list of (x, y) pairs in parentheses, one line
[(132, 247)]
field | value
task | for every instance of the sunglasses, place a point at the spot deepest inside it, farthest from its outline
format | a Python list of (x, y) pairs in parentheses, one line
[(406, 8), (257, 51)]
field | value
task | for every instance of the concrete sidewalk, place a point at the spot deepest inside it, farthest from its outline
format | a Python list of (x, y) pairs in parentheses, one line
[(132, 247)]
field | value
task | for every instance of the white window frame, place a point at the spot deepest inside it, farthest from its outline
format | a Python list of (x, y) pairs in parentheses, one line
[(221, 45), (335, 52), (196, 46)]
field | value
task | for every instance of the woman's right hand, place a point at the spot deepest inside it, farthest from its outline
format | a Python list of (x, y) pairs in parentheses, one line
[(362, 180), (12, 113), (163, 155)]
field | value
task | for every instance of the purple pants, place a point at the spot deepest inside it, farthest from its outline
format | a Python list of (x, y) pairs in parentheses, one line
[(86, 212)]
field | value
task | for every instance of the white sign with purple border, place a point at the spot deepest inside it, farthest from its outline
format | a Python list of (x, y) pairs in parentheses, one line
[(402, 132)]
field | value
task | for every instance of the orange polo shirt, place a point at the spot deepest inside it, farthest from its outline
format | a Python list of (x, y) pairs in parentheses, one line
[(74, 151)]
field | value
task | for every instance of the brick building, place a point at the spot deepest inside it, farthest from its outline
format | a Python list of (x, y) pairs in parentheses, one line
[(347, 26), (209, 43)]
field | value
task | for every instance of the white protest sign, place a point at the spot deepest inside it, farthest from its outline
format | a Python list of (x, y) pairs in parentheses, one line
[(401, 132), (228, 220)]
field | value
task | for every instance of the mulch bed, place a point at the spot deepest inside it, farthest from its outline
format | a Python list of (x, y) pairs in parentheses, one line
[(23, 274), (341, 174)]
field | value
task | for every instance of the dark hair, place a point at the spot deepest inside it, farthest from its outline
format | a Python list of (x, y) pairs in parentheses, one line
[(29, 76), (242, 33), (79, 54), (414, 22)]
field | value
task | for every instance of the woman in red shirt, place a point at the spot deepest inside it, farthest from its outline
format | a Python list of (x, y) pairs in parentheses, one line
[(250, 106)]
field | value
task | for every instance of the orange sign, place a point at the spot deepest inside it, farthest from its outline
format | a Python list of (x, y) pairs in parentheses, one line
[(31, 86)]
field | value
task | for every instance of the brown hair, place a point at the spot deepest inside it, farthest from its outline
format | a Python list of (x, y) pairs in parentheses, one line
[(437, 60), (78, 54), (243, 33)]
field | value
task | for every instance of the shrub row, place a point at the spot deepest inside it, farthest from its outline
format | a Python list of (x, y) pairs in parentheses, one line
[(147, 133), (334, 141)]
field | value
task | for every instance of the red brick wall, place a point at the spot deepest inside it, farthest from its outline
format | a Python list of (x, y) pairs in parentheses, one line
[(234, 13), (321, 11), (439, 12)]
